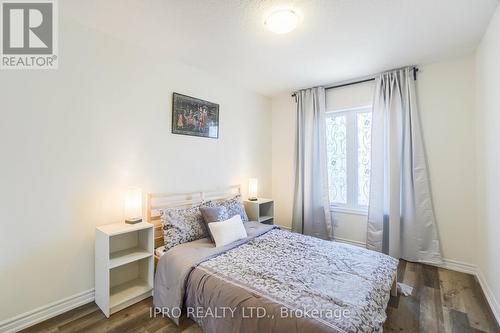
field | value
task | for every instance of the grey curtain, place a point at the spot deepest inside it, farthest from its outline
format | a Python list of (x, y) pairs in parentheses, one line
[(401, 219), (311, 209)]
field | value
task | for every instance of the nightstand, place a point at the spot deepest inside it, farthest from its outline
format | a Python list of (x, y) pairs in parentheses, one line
[(261, 210), (123, 265)]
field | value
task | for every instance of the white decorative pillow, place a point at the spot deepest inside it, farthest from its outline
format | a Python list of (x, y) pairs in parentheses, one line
[(228, 231)]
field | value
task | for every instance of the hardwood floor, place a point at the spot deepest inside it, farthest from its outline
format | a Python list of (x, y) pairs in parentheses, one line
[(134, 319), (442, 301)]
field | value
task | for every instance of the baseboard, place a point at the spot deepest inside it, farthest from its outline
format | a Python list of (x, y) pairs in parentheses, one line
[(459, 266), (488, 293), (45, 312)]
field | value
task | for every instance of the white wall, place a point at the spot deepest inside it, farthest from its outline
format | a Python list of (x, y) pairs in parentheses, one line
[(72, 139), (283, 158), (446, 94), (447, 109), (488, 166)]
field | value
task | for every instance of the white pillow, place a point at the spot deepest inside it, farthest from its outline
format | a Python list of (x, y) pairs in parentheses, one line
[(227, 231)]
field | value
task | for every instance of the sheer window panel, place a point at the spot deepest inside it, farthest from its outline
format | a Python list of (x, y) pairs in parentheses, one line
[(364, 131), (336, 135), (348, 135)]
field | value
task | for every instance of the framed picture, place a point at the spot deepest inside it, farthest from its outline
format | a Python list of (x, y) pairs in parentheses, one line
[(193, 116)]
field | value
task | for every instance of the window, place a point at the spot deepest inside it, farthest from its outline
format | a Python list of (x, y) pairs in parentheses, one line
[(348, 141)]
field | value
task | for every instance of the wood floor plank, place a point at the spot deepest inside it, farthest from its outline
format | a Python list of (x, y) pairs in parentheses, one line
[(438, 305), (428, 310), (430, 276), (451, 284), (82, 324), (413, 278), (442, 301), (460, 322), (475, 305), (52, 325)]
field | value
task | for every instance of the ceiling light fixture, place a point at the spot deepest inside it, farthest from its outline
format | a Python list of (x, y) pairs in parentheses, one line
[(282, 21)]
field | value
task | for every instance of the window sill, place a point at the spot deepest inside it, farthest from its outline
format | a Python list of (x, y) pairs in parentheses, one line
[(347, 210)]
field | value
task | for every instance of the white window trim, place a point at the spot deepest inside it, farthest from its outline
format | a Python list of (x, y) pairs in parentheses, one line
[(351, 164), (349, 210), (357, 109)]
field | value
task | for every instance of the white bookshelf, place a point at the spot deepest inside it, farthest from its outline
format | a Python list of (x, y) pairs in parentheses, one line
[(123, 265), (261, 210)]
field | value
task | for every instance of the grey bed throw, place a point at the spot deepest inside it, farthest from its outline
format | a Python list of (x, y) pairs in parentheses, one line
[(301, 283)]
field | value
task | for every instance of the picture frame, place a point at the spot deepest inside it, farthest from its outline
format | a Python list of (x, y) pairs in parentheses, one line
[(194, 117)]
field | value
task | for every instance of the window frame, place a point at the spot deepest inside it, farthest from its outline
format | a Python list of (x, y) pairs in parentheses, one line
[(352, 186)]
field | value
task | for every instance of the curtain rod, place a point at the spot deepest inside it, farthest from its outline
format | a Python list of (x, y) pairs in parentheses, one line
[(363, 80)]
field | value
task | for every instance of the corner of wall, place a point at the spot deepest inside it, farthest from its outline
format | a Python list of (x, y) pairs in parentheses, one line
[(487, 85)]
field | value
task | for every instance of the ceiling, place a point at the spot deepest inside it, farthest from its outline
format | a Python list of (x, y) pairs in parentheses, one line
[(337, 39)]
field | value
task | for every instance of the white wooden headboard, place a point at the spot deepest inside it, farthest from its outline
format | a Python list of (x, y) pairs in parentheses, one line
[(157, 201)]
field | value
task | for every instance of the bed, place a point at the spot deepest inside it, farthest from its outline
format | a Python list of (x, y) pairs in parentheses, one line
[(271, 281)]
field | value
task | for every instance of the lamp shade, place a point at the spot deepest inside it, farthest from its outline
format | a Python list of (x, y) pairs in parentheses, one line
[(252, 188), (133, 204)]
